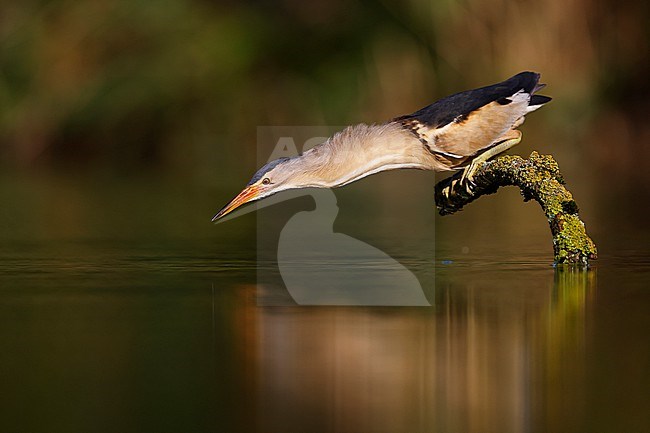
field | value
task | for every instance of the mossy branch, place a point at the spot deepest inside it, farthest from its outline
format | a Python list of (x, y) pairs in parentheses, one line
[(538, 178)]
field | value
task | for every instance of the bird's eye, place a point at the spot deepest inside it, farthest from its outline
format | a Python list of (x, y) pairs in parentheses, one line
[(266, 181)]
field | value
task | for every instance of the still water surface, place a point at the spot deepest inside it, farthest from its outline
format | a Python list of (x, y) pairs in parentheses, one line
[(158, 340), (153, 334)]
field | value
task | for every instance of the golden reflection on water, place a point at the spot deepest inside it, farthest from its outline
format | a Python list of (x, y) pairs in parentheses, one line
[(485, 357)]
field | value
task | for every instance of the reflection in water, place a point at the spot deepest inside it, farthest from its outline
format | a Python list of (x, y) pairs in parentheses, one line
[(141, 340), (487, 360), (565, 347)]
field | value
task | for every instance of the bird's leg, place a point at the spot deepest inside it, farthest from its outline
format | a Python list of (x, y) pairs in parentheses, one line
[(510, 139)]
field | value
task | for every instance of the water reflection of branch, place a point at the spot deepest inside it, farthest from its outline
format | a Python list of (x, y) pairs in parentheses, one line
[(565, 347)]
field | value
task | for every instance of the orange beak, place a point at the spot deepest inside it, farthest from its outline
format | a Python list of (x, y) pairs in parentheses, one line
[(250, 193)]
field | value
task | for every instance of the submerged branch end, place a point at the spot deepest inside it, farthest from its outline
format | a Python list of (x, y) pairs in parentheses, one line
[(538, 178)]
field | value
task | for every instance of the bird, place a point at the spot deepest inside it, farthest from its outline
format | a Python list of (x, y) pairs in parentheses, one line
[(458, 132)]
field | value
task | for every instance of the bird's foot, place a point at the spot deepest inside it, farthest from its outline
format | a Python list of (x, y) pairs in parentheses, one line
[(512, 138), (465, 183), (467, 178)]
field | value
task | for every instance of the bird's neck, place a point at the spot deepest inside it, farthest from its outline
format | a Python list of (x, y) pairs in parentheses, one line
[(359, 151)]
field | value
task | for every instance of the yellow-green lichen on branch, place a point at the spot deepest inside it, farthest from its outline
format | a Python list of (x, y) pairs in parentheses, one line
[(538, 178)]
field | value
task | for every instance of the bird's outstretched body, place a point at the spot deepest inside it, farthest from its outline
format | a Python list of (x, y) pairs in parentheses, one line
[(456, 132)]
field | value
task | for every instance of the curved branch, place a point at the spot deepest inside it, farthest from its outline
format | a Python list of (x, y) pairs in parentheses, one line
[(538, 178)]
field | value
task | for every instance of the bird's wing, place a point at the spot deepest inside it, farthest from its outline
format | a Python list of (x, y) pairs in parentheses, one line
[(468, 123)]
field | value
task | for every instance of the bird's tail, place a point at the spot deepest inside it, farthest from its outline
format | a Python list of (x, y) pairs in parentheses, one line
[(529, 82), (537, 101)]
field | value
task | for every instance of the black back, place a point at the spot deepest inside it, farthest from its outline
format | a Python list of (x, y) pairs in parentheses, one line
[(460, 105)]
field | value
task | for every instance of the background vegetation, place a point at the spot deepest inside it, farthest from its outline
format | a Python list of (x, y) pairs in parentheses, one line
[(177, 88)]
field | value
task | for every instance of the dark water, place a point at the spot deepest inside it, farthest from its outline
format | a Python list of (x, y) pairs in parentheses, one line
[(132, 330)]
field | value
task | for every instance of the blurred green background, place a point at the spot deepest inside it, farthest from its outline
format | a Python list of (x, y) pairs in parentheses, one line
[(167, 95)]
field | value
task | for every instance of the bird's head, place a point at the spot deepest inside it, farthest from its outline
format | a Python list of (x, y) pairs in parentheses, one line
[(278, 175), (347, 156)]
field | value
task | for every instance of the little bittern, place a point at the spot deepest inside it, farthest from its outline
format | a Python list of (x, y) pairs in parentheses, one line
[(456, 132)]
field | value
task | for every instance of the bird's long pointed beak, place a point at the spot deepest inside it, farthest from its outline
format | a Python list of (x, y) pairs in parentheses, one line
[(250, 193)]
